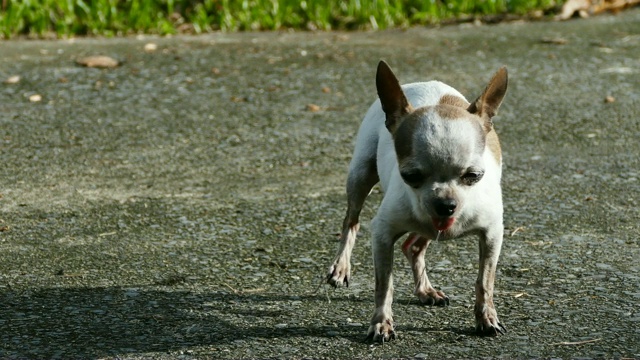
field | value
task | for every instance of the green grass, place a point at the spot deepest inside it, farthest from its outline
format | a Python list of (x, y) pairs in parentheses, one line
[(122, 17)]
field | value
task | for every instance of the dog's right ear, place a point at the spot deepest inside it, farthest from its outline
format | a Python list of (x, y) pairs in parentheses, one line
[(486, 105), (394, 102)]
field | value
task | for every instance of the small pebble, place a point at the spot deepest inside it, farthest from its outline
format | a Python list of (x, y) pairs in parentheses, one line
[(150, 47), (12, 79)]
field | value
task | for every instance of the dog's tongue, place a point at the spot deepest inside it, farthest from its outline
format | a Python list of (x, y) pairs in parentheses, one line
[(443, 224)]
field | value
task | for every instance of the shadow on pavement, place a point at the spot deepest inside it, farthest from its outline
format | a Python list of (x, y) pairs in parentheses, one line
[(103, 321)]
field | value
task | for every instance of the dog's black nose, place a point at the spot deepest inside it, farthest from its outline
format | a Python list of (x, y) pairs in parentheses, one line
[(445, 207)]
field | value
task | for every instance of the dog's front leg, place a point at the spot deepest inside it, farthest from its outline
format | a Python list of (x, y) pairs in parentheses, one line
[(382, 327), (414, 248), (340, 271), (359, 183), (487, 322)]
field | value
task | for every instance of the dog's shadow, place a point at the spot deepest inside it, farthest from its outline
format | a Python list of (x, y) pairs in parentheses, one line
[(108, 321)]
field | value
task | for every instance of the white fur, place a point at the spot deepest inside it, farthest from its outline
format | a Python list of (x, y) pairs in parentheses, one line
[(444, 150), (373, 136)]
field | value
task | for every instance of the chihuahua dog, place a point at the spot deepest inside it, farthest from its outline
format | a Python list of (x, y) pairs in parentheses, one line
[(438, 160)]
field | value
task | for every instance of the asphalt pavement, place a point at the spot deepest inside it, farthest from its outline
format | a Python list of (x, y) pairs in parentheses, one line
[(186, 203)]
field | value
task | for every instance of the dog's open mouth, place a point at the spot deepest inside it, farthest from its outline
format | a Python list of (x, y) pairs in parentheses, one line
[(443, 224)]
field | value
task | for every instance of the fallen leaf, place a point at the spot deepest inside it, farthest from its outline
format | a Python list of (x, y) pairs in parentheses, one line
[(609, 99), (584, 8), (12, 79), (516, 230), (571, 7), (554, 41), (313, 107), (238, 99), (614, 6), (98, 61), (326, 90)]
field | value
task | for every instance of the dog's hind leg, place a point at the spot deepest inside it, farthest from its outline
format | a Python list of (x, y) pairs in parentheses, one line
[(414, 248), (362, 177)]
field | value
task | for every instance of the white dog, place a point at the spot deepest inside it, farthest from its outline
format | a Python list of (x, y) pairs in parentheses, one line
[(438, 160)]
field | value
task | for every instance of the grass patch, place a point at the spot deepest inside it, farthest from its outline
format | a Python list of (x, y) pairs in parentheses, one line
[(122, 17)]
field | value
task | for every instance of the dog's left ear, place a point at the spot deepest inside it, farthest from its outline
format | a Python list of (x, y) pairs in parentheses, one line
[(486, 105), (394, 102)]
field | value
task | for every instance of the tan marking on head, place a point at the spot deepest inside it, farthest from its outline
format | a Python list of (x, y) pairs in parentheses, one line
[(452, 107), (449, 112), (453, 100), (493, 143)]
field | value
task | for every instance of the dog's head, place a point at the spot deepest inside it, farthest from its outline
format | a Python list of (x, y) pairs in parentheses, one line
[(440, 148)]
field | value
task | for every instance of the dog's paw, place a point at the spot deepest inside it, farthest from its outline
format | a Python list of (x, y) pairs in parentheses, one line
[(432, 297), (339, 274), (381, 331), (487, 323)]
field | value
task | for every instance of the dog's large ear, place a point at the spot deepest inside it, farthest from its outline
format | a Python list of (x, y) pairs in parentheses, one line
[(486, 105), (394, 102)]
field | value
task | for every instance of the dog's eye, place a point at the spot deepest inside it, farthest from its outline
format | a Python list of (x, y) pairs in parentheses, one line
[(471, 177), (413, 177)]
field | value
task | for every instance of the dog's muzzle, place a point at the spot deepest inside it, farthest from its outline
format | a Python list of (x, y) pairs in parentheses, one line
[(445, 207)]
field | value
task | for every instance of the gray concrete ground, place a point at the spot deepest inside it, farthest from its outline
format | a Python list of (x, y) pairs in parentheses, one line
[(186, 203)]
